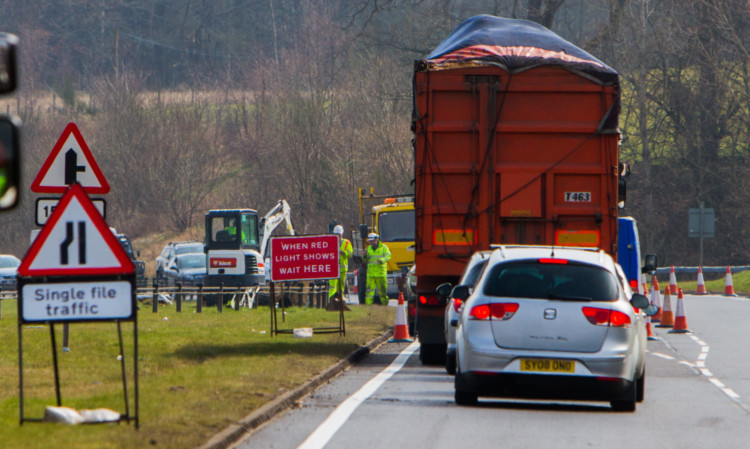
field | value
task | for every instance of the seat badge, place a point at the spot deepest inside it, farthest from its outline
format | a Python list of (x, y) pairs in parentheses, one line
[(550, 314)]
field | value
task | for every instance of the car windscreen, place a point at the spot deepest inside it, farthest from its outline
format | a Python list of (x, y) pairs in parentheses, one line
[(191, 248), (125, 243), (569, 281), (9, 262), (397, 226), (191, 261)]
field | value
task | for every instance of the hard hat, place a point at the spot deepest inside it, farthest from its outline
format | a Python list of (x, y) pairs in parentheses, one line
[(338, 229), (373, 236)]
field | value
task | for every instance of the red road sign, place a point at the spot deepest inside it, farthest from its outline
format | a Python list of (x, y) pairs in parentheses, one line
[(75, 241), (308, 257), (70, 162)]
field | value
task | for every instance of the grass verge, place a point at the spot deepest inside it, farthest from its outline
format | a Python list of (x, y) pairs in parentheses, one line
[(198, 373), (715, 285)]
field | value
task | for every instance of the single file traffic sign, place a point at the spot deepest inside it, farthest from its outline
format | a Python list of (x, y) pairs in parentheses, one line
[(75, 241)]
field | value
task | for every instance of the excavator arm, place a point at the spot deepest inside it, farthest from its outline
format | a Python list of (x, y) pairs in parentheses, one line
[(281, 212)]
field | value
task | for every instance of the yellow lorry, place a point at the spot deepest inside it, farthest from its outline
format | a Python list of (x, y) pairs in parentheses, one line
[(392, 218)]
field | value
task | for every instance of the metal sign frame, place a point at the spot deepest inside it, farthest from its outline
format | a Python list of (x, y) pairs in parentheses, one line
[(128, 415), (340, 329)]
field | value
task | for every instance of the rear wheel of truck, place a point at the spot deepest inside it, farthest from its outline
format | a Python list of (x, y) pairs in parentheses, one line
[(432, 354)]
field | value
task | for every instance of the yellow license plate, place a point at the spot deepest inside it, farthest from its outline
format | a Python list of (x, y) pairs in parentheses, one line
[(548, 365)]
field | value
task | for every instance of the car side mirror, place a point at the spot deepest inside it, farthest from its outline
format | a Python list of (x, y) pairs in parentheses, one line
[(650, 265), (639, 301), (461, 292), (444, 290), (651, 310)]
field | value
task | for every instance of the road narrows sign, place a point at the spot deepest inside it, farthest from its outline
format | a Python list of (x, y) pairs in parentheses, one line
[(75, 241), (70, 162)]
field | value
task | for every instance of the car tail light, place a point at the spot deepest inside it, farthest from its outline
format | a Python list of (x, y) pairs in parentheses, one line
[(429, 300), (457, 304), (554, 261), (503, 311), (480, 312), (494, 311), (606, 317)]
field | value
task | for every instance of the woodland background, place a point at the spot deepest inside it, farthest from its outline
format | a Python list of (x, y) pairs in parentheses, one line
[(189, 105)]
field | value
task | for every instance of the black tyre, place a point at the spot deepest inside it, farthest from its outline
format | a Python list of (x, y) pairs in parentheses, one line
[(626, 403), (465, 394), (450, 364), (640, 386), (432, 354)]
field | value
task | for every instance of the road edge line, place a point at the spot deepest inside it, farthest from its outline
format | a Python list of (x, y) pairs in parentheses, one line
[(233, 433)]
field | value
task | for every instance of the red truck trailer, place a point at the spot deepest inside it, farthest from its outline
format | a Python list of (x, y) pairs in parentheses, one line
[(516, 142)]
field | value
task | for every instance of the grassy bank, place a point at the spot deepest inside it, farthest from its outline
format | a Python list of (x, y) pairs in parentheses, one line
[(197, 372)]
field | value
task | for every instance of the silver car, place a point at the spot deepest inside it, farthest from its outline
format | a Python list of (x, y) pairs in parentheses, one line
[(469, 277), (552, 323), (8, 270)]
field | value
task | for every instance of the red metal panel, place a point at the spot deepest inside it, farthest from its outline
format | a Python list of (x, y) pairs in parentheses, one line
[(520, 177)]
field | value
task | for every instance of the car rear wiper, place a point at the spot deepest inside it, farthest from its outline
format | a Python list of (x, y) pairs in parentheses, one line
[(570, 297)]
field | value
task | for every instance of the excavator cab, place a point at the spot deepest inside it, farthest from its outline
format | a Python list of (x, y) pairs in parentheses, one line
[(232, 229), (237, 243), (233, 248)]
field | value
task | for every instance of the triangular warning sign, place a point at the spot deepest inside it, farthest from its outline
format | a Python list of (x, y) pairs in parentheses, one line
[(75, 241), (71, 161)]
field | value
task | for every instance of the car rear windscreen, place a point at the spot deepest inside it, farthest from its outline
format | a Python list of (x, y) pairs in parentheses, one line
[(570, 281)]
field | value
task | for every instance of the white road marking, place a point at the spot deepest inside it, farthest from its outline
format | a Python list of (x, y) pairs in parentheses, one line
[(664, 356), (320, 437), (701, 365)]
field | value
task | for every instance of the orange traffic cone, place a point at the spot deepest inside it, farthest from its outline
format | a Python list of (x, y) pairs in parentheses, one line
[(356, 288), (701, 288), (401, 329), (655, 298), (728, 287), (667, 317), (680, 321), (672, 281), (649, 332)]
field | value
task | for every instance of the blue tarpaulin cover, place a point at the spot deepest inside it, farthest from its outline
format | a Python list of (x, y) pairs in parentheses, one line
[(514, 45)]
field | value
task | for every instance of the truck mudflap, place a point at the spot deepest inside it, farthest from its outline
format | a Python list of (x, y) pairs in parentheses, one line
[(432, 339), (430, 328)]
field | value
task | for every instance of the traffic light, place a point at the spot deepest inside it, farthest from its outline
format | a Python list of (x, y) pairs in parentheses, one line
[(9, 126)]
